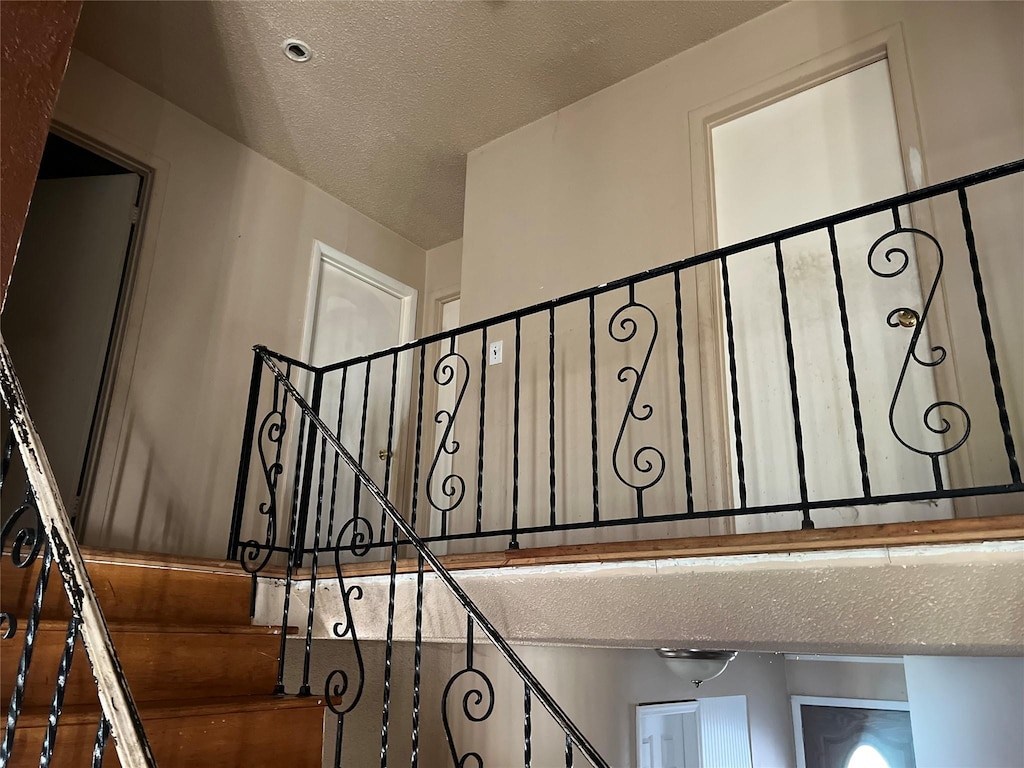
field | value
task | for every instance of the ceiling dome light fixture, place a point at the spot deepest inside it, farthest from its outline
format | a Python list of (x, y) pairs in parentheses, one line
[(696, 666), (296, 50)]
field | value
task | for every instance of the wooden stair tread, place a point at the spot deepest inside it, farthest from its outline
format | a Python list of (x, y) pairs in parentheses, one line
[(88, 714), (150, 628)]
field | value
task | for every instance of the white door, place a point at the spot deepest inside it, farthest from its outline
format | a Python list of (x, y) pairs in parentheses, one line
[(354, 310), (60, 310), (668, 736), (824, 150)]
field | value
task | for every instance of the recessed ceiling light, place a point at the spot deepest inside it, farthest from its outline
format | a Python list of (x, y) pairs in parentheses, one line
[(296, 50)]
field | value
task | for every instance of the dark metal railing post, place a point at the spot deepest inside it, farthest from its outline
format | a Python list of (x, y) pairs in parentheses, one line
[(241, 484), (514, 543), (306, 493), (851, 372), (990, 347), (684, 421), (480, 437), (730, 336), (798, 432), (551, 413)]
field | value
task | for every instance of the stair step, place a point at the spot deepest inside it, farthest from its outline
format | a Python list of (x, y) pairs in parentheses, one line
[(234, 731), (160, 662), (134, 587)]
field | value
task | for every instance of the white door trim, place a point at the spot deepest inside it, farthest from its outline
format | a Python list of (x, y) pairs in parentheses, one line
[(830, 701), (323, 252), (407, 332)]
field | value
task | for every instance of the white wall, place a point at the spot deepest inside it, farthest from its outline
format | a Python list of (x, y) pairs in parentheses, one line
[(966, 712), (603, 188), (225, 264)]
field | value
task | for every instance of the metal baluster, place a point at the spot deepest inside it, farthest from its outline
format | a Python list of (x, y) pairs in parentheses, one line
[(337, 458), (100, 746), (292, 545), (514, 544), (391, 436), (527, 728), (57, 703), (388, 651), (734, 383), (245, 459), (551, 411), (419, 442), (568, 751), (593, 409), (362, 438), (339, 735), (684, 423), (31, 629), (794, 395), (311, 605), (480, 440), (307, 476), (417, 663), (844, 320), (986, 331)]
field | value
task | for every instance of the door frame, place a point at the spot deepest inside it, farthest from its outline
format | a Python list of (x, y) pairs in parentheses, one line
[(122, 342), (889, 44), (357, 269), (408, 296), (830, 701)]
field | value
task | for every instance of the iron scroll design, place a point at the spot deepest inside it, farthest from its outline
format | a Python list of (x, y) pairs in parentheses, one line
[(28, 536), (647, 460), (355, 537), (453, 486), (889, 262), (477, 703), (254, 554)]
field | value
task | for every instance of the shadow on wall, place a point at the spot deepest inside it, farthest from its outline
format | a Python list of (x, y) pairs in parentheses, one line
[(221, 219)]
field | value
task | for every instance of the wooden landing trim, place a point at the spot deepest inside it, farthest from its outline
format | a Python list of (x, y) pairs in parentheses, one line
[(120, 627), (963, 530), (34, 717), (163, 561)]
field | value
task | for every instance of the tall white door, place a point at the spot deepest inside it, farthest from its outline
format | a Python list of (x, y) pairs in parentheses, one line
[(59, 313), (824, 150), (355, 310)]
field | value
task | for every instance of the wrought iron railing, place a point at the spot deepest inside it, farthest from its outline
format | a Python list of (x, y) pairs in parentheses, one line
[(475, 452), (39, 529), (343, 691), (594, 427)]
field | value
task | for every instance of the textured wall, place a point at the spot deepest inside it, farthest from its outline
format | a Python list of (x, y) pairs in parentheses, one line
[(36, 43), (603, 188), (225, 263), (955, 599)]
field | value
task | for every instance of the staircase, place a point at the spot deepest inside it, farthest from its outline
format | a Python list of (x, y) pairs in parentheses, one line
[(201, 675)]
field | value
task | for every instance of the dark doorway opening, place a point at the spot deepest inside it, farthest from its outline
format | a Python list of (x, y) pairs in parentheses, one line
[(66, 301)]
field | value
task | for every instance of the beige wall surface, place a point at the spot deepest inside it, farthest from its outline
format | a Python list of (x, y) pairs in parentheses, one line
[(602, 189), (599, 688), (225, 264)]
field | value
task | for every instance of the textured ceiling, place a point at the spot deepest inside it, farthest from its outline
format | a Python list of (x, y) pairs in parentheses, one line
[(397, 92)]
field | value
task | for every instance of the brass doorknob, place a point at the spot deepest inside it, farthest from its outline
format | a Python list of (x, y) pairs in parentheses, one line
[(384, 455)]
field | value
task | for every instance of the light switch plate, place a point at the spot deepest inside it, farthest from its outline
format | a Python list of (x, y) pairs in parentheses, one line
[(494, 353)]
